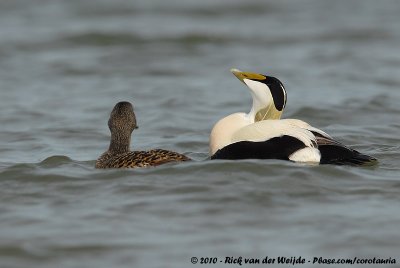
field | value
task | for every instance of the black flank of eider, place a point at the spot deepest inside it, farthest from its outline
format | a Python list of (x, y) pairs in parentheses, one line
[(275, 148), (277, 91), (341, 155)]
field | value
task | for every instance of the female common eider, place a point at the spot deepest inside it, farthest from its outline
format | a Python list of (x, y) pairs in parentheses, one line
[(261, 134), (122, 122)]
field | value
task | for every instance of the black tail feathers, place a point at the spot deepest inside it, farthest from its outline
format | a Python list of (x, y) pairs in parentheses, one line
[(341, 155)]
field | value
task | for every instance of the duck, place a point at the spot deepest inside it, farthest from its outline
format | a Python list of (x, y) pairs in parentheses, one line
[(262, 134), (121, 123)]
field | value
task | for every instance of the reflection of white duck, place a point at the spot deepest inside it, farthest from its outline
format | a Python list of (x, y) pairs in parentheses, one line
[(261, 134)]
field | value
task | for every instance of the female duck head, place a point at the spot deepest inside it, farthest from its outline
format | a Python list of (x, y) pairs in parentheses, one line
[(269, 95), (122, 118)]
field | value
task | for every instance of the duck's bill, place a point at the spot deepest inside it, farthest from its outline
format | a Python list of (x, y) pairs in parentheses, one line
[(246, 75)]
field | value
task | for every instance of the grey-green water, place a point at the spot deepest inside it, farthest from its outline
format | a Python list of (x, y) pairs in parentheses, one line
[(64, 64)]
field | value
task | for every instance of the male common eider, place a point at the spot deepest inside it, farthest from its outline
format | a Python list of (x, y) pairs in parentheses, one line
[(261, 134), (122, 122)]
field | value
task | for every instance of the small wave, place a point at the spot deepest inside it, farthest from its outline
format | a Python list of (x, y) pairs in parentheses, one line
[(55, 160), (101, 39), (127, 39), (57, 167), (183, 10)]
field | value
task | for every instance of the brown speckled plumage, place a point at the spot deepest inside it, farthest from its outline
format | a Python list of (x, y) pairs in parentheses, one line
[(121, 123)]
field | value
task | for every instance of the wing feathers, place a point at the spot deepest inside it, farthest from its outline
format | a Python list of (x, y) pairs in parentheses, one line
[(268, 129)]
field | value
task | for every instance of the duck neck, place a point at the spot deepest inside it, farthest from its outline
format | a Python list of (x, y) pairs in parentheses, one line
[(260, 112), (120, 143)]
